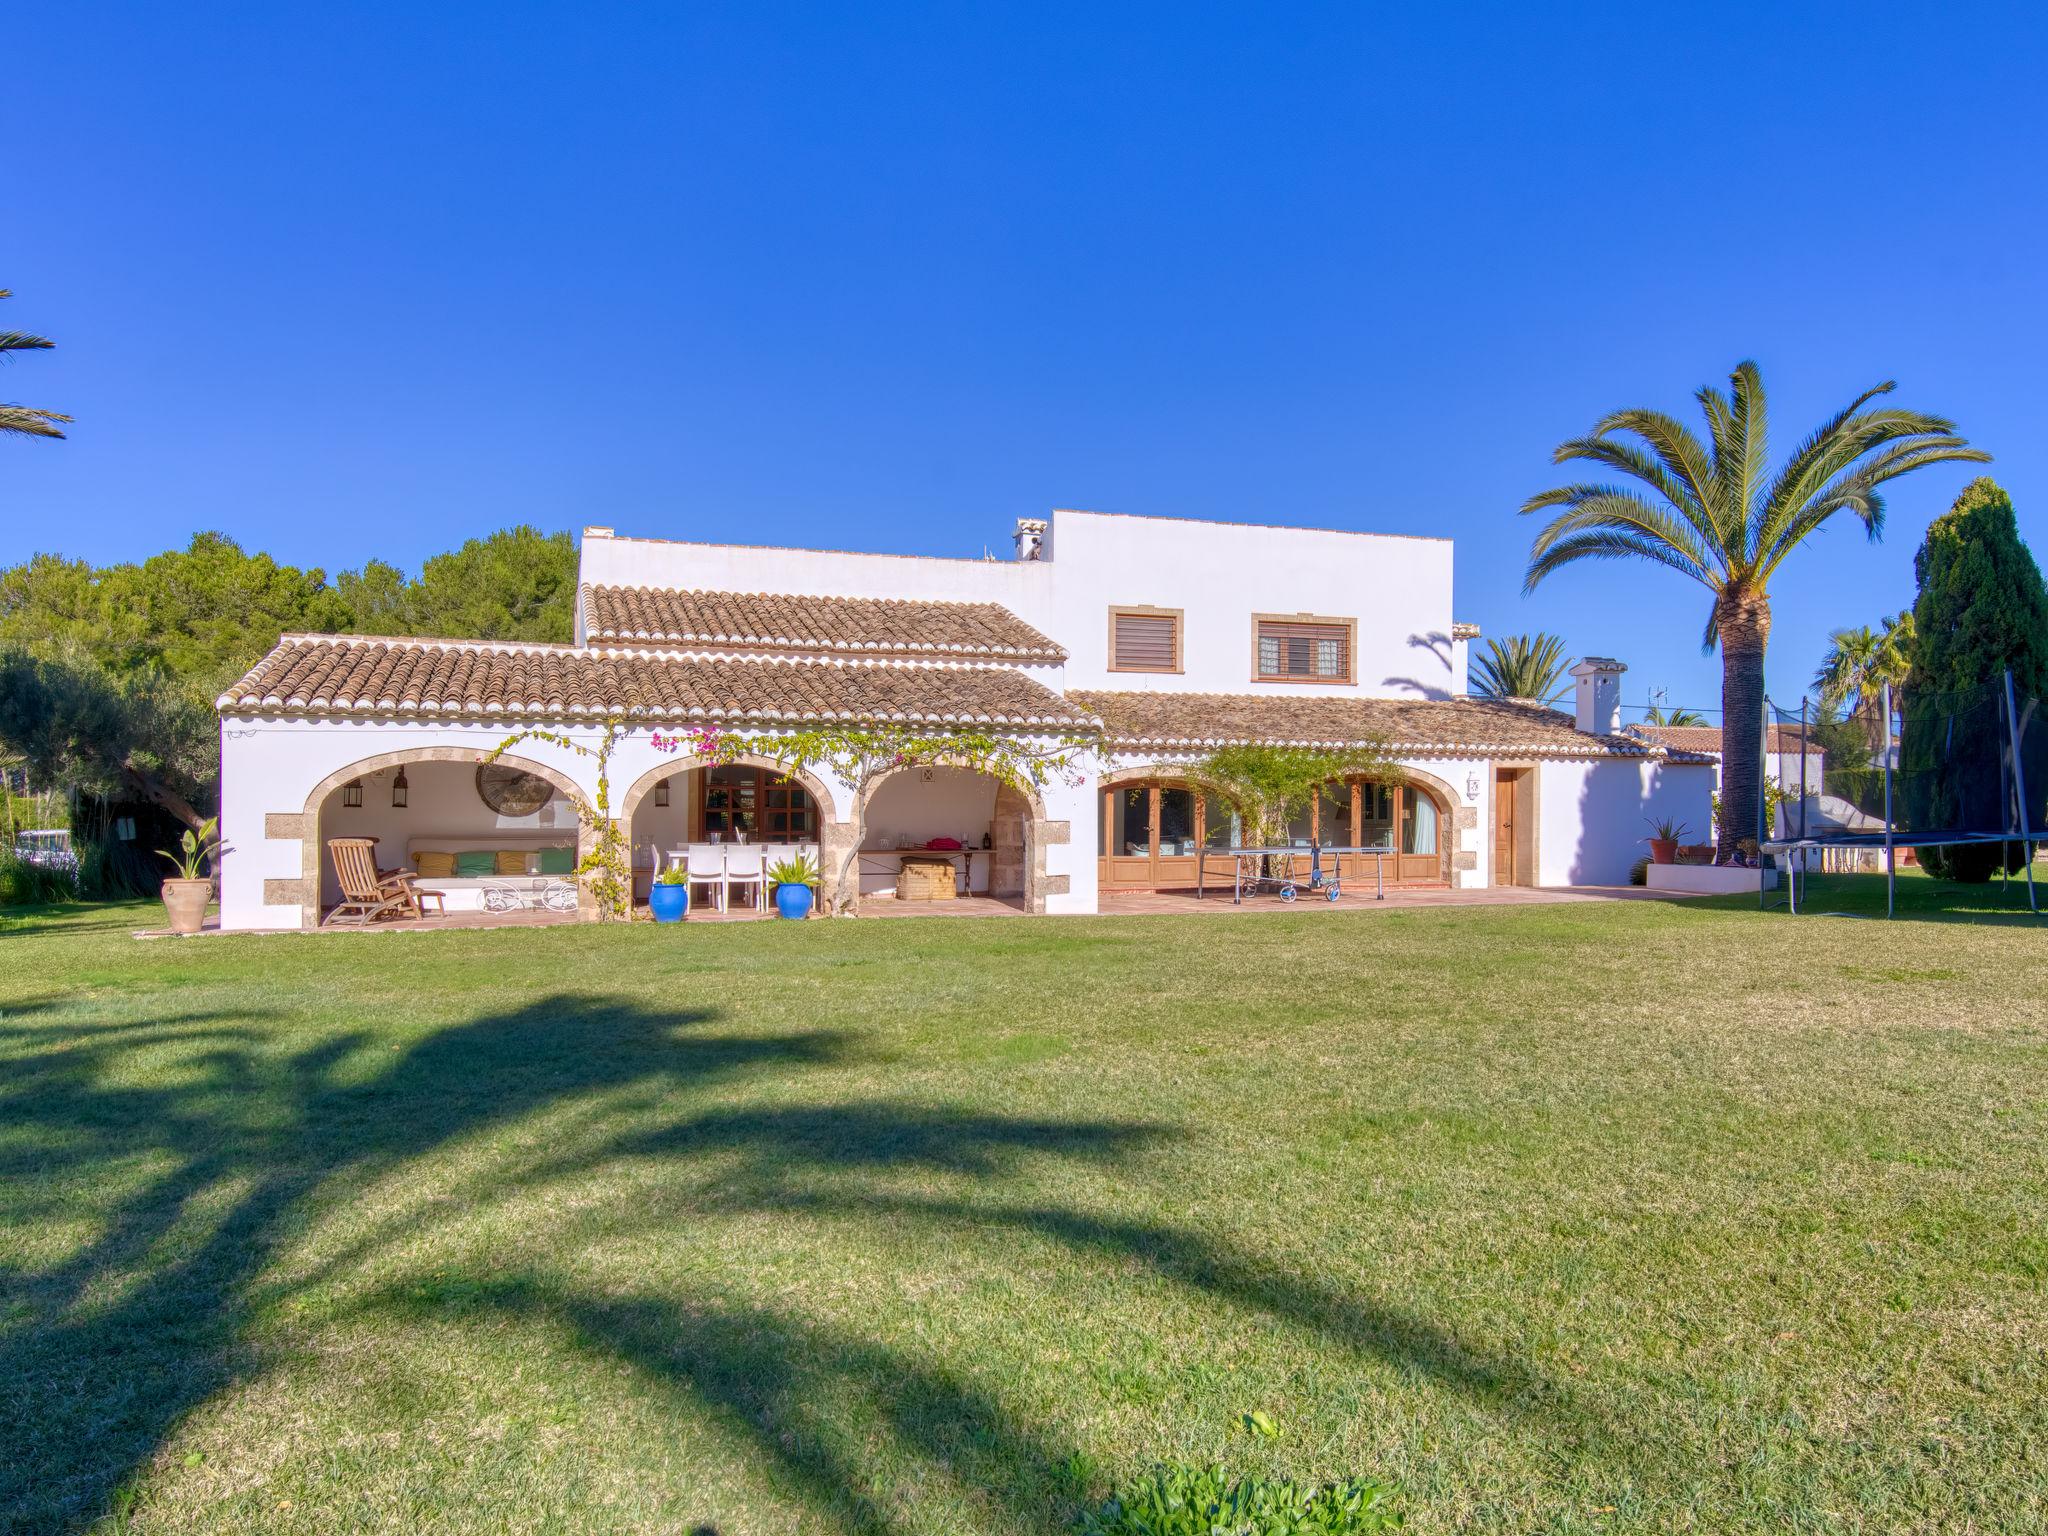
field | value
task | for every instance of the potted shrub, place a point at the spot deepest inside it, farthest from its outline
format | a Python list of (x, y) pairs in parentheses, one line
[(669, 897), (793, 878), (188, 891), (1664, 838)]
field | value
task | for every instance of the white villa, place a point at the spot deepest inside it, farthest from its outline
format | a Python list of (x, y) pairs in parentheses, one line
[(1158, 638)]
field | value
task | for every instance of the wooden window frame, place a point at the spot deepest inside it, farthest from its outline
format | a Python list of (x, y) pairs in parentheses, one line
[(764, 780), (1350, 628), (1142, 611)]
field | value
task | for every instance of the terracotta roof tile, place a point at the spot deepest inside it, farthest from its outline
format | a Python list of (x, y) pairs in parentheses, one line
[(1410, 727), (1707, 738), (335, 675), (870, 626)]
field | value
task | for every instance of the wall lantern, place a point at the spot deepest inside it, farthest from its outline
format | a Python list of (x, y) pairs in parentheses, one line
[(661, 791), (1471, 786), (399, 790), (352, 794)]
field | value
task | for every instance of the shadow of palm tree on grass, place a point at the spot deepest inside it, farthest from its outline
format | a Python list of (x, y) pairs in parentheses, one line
[(105, 1350), (233, 1157)]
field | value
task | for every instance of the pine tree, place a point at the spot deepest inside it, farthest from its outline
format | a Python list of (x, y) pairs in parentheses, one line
[(1982, 609)]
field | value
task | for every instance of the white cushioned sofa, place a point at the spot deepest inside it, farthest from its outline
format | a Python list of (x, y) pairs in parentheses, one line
[(527, 891)]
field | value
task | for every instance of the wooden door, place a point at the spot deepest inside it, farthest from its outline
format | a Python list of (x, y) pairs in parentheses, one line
[(1127, 820), (1505, 827)]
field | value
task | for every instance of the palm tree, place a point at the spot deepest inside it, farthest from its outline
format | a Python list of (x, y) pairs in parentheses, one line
[(1715, 512), (24, 418), (1858, 665), (1658, 715), (1523, 667)]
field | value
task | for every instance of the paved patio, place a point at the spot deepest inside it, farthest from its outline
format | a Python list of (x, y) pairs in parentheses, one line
[(1113, 904)]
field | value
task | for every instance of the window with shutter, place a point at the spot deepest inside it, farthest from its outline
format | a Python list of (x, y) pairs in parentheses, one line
[(1304, 650), (1144, 640)]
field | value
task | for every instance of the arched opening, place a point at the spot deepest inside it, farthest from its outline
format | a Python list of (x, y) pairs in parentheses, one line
[(1156, 827), (751, 800), (1412, 816), (498, 839), (928, 814)]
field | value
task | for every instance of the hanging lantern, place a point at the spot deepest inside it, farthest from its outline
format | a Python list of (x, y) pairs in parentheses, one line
[(352, 795), (399, 790), (661, 791)]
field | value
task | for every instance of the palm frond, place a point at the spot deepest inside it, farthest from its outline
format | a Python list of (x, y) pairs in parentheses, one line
[(1856, 436), (22, 341), (1593, 507), (1522, 667), (1646, 465), (1855, 492), (1676, 447), (1794, 481), (1749, 421), (1606, 544), (29, 421)]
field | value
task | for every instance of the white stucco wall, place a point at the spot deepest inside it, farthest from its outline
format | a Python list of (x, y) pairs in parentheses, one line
[(1593, 816), (269, 766), (1398, 589)]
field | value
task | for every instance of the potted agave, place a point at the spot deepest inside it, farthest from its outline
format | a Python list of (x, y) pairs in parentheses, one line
[(1664, 838), (188, 891), (793, 878), (669, 897)]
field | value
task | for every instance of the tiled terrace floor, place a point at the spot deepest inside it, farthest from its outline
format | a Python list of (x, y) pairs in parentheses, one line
[(1112, 904)]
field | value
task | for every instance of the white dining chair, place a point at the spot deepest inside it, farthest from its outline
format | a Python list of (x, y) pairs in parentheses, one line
[(746, 865), (704, 863)]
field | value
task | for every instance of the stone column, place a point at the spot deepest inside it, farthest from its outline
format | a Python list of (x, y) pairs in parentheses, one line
[(1006, 870)]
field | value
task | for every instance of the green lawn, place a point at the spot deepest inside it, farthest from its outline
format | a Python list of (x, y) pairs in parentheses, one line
[(1588, 1218)]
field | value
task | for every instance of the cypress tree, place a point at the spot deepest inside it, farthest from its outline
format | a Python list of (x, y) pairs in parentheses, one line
[(1982, 608)]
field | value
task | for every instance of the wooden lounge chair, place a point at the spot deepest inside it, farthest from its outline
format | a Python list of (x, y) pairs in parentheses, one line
[(367, 894)]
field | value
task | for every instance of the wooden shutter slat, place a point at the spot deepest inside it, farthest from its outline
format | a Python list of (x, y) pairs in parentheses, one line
[(1146, 642), (1306, 643)]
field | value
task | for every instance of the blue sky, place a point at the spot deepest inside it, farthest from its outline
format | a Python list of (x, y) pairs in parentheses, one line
[(354, 280)]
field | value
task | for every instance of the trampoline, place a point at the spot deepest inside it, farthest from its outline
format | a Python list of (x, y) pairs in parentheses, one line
[(1943, 771)]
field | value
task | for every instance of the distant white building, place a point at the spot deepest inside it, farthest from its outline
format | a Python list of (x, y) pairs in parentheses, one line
[(1159, 639)]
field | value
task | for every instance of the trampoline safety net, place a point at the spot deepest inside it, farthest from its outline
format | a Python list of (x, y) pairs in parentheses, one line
[(1956, 783)]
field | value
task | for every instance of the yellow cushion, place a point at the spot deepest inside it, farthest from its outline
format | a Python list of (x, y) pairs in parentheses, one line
[(434, 866), (511, 861)]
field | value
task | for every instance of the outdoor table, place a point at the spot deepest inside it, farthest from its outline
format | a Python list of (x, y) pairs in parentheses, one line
[(1247, 876), (964, 855)]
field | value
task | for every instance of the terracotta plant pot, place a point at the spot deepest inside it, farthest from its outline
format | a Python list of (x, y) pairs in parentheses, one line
[(1663, 850), (185, 904)]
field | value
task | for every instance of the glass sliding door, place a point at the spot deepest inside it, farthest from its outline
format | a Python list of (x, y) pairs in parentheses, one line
[(1152, 835), (1422, 832), (1127, 835), (1173, 855)]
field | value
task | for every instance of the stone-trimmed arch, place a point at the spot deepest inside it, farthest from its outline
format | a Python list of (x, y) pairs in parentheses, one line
[(833, 833), (312, 846), (1156, 773), (813, 785), (1454, 816), (1018, 827)]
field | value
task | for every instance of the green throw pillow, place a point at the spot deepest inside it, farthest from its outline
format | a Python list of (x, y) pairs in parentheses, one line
[(476, 864), (558, 861)]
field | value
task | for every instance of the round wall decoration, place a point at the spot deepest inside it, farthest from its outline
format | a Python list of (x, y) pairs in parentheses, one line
[(512, 791)]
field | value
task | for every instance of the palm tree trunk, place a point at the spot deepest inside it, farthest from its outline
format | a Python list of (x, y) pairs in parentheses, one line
[(1744, 626)]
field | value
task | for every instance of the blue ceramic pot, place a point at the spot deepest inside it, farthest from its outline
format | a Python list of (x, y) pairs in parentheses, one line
[(793, 900), (669, 903)]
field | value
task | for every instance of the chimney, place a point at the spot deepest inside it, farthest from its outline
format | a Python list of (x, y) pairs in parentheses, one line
[(1599, 700), (1031, 538)]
